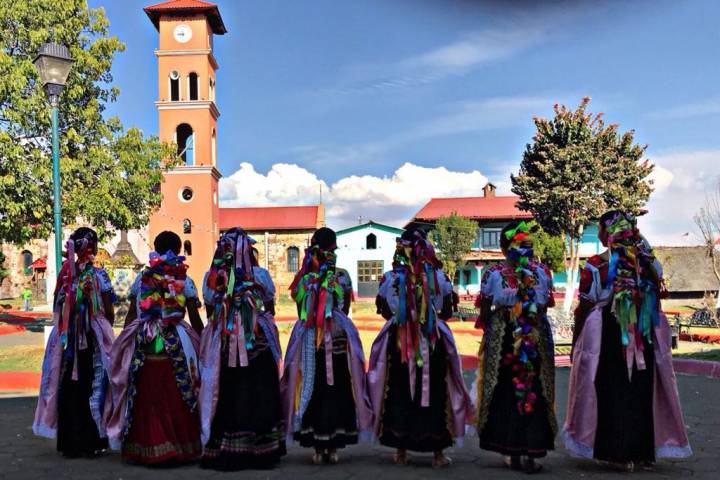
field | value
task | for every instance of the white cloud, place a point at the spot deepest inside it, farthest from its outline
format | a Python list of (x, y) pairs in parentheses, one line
[(389, 199), (708, 106), (682, 180), (471, 50)]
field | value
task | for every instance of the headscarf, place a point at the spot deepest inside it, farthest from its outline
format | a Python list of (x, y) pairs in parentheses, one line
[(633, 277), (416, 267), (523, 316), (236, 295), (78, 288)]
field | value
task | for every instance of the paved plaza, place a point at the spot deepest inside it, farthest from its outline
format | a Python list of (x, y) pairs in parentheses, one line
[(24, 456)]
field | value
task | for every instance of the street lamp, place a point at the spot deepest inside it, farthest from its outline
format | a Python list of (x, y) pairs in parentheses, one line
[(53, 63)]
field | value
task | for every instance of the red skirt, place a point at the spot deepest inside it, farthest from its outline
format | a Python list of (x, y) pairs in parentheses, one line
[(163, 428)]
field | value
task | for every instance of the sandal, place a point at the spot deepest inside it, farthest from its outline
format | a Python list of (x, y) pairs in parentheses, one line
[(333, 458), (531, 467), (441, 461), (400, 458), (513, 463), (317, 458)]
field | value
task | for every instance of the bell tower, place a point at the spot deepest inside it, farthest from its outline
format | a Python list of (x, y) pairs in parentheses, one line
[(188, 117)]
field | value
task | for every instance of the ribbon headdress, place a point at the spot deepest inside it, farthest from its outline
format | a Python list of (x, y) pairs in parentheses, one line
[(635, 283), (162, 294), (523, 316), (416, 267), (236, 296), (317, 292), (78, 286)]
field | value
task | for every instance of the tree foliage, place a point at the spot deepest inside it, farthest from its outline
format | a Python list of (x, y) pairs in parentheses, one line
[(109, 176), (454, 236), (549, 249), (3, 271), (707, 220), (576, 168)]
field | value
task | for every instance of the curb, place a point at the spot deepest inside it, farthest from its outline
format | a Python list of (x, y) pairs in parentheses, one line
[(705, 368)]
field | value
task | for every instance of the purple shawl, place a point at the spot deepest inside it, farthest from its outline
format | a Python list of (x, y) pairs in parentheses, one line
[(461, 410), (296, 385), (46, 414), (581, 420), (121, 357), (210, 358)]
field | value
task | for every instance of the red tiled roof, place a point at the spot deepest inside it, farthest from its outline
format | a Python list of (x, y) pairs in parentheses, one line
[(479, 208), (187, 7), (272, 218), (39, 264)]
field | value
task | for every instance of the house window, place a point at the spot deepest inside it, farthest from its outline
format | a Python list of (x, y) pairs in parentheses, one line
[(491, 238), (187, 226), (293, 259), (27, 260), (187, 248), (370, 270), (371, 242), (193, 85), (466, 277)]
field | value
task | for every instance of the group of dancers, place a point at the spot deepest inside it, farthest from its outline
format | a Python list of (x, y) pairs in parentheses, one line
[(172, 390)]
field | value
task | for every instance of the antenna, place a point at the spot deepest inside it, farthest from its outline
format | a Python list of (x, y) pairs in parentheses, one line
[(359, 219), (320, 192)]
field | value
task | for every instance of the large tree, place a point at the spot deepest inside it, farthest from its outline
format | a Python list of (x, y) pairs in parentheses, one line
[(549, 249), (454, 236), (576, 168), (707, 220), (109, 175)]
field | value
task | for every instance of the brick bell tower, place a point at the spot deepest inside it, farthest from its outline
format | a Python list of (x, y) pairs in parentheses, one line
[(188, 116)]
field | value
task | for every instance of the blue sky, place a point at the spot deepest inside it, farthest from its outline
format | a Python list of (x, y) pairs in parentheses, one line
[(388, 102)]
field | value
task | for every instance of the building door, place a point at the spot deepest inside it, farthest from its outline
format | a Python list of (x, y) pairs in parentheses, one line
[(369, 274)]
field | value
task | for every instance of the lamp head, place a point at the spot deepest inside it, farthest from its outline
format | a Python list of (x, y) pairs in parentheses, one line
[(53, 63)]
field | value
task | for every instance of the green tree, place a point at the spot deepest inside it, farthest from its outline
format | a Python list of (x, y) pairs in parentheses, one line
[(576, 168), (549, 249), (454, 236), (3, 271), (109, 175)]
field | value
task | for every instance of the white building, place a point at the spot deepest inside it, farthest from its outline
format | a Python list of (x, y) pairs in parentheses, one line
[(366, 251)]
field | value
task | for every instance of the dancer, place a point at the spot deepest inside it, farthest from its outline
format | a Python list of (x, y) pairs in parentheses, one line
[(74, 400), (623, 404), (419, 399), (240, 408), (516, 373), (155, 376), (323, 388)]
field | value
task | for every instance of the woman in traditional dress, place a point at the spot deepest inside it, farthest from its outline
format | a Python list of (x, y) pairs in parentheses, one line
[(240, 408), (623, 404), (155, 377), (324, 388), (419, 399), (516, 372), (74, 400)]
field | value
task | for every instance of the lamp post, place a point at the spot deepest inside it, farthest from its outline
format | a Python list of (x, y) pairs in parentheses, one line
[(53, 63)]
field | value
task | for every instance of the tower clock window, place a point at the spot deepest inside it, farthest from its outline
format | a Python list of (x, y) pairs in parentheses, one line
[(193, 85), (174, 86), (187, 226), (185, 194), (187, 248), (185, 139)]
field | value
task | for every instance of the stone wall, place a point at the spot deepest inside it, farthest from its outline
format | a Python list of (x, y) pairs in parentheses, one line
[(278, 243), (13, 284)]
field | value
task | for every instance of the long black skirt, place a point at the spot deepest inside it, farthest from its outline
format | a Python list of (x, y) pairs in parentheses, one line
[(625, 406), (406, 424), (330, 421), (77, 433), (247, 430), (508, 431)]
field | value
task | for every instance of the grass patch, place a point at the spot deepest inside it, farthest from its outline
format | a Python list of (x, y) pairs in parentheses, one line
[(21, 358), (710, 354)]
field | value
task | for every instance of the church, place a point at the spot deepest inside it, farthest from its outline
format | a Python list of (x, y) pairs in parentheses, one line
[(188, 116)]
